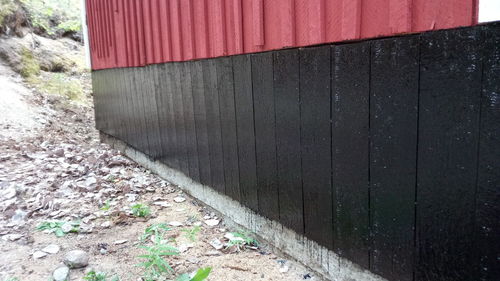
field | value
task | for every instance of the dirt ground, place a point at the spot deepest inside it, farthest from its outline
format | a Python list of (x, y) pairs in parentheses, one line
[(53, 168)]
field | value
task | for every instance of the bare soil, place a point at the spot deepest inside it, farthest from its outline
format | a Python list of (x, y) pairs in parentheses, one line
[(53, 167)]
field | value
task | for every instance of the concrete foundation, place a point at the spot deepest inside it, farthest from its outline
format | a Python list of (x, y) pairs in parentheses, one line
[(319, 259)]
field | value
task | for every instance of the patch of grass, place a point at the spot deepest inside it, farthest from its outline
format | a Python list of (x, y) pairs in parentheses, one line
[(59, 228), (192, 233), (60, 84), (200, 275), (141, 210), (99, 276), (155, 264), (29, 64), (242, 239), (157, 229)]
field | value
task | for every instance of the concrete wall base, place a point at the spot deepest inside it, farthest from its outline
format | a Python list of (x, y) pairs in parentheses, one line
[(319, 259)]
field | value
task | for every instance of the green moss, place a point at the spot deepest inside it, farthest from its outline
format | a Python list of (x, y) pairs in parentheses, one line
[(29, 64)]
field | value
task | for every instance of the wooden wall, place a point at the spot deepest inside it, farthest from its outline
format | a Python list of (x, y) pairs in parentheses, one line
[(385, 151)]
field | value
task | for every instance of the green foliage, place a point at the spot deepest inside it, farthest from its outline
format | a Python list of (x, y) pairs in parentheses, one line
[(241, 239), (11, 279), (7, 7), (29, 64), (53, 16), (157, 230), (155, 265), (99, 276), (200, 275), (192, 233), (106, 206), (141, 210), (56, 227)]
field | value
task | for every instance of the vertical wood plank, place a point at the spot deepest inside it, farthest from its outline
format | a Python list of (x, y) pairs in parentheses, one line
[(265, 134), (242, 69), (393, 151), (315, 131), (172, 158), (213, 125), (200, 116), (287, 103), (350, 121), (187, 100), (450, 74), (180, 123), (162, 109), (488, 192), (225, 84)]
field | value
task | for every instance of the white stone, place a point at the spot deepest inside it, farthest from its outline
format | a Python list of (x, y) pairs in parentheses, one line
[(179, 199), (76, 259), (175, 223), (212, 222), (61, 274), (118, 242), (51, 249), (39, 255)]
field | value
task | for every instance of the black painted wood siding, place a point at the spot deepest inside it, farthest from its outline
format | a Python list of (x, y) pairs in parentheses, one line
[(385, 151)]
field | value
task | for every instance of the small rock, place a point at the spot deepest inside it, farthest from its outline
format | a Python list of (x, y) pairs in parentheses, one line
[(61, 274), (76, 259), (90, 181), (212, 222), (106, 224), (12, 237), (66, 227), (51, 249), (284, 269), (217, 244), (175, 223), (118, 242), (184, 247), (179, 199), (213, 253), (8, 193), (39, 255), (162, 204)]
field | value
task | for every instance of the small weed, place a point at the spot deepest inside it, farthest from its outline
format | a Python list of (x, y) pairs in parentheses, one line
[(241, 239), (106, 206), (59, 228), (99, 276), (141, 210), (200, 275), (156, 229), (155, 265), (192, 233)]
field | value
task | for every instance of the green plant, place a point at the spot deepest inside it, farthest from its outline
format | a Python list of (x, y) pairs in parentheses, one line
[(59, 228), (29, 64), (106, 206), (141, 210), (200, 275), (192, 233), (156, 229), (240, 239), (99, 276), (155, 265), (7, 8), (11, 279)]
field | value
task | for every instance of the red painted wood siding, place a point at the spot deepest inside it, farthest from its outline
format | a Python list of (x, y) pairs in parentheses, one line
[(126, 33)]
